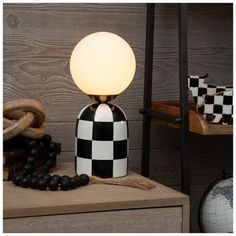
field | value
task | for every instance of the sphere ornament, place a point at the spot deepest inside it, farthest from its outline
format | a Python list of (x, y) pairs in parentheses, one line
[(102, 63), (102, 141)]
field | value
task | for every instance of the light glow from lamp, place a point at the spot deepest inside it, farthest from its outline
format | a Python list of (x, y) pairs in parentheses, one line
[(102, 63)]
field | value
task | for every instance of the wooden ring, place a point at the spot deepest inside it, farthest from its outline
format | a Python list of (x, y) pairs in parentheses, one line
[(29, 132), (18, 126), (11, 108)]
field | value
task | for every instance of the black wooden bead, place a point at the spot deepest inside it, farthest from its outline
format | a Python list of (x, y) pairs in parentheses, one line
[(35, 173), (31, 159), (42, 184), (47, 139), (84, 179), (32, 143), (34, 152), (52, 156), (40, 175), (65, 177), (65, 185), (49, 163), (16, 179), (56, 177), (25, 182), (78, 180), (47, 177), (53, 146), (41, 145), (44, 168), (74, 183), (42, 149), (33, 183), (25, 172), (28, 167), (53, 185)]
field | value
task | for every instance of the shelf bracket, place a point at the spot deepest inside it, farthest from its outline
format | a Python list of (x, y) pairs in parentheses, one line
[(152, 113)]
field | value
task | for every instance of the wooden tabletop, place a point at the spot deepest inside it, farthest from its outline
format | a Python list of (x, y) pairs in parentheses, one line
[(20, 202)]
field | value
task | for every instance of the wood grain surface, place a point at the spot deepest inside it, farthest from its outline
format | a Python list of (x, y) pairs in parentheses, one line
[(38, 40), (152, 220)]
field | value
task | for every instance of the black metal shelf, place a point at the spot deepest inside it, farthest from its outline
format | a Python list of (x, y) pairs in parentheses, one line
[(147, 110)]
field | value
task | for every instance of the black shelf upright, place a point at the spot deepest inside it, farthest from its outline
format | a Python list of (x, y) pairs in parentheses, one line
[(148, 113), (147, 96)]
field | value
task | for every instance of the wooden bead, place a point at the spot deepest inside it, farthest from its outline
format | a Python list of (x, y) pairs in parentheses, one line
[(53, 185), (84, 179), (33, 183), (25, 182), (42, 184), (65, 185)]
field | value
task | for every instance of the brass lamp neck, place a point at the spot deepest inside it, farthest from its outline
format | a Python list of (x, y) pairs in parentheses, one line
[(102, 98)]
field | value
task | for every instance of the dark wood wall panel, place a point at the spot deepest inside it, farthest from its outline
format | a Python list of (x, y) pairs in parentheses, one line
[(37, 43), (210, 40), (48, 30), (49, 81)]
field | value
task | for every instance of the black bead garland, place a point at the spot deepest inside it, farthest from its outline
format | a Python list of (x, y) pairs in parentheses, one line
[(34, 177)]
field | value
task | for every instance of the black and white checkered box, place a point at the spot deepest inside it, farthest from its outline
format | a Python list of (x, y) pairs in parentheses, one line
[(101, 142), (220, 105), (212, 99), (199, 88)]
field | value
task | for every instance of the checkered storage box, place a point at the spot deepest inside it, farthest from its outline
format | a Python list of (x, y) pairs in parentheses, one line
[(101, 142), (220, 105), (212, 99)]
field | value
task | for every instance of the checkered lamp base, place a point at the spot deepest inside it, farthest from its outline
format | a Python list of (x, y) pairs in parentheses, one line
[(102, 141)]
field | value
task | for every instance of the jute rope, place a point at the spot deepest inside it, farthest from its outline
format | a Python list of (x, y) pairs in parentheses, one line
[(144, 184)]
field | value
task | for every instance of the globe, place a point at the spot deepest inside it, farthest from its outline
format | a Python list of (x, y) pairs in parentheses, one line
[(216, 207)]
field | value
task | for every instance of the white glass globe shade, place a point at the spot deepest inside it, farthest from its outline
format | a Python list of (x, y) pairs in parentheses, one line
[(102, 63)]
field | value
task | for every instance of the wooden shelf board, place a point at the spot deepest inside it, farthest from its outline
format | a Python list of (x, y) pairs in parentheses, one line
[(21, 202), (197, 124)]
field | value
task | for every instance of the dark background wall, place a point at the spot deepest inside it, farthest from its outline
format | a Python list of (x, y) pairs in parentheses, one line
[(38, 41)]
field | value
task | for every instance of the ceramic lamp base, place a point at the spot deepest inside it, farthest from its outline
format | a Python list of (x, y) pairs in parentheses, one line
[(102, 141)]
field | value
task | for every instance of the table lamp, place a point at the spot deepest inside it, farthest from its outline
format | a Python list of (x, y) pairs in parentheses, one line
[(102, 65)]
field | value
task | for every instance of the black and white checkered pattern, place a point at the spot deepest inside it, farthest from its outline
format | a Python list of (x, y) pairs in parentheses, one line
[(220, 105), (211, 99), (102, 141)]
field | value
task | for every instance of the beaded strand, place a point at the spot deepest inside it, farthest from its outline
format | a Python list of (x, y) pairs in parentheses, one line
[(39, 178)]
